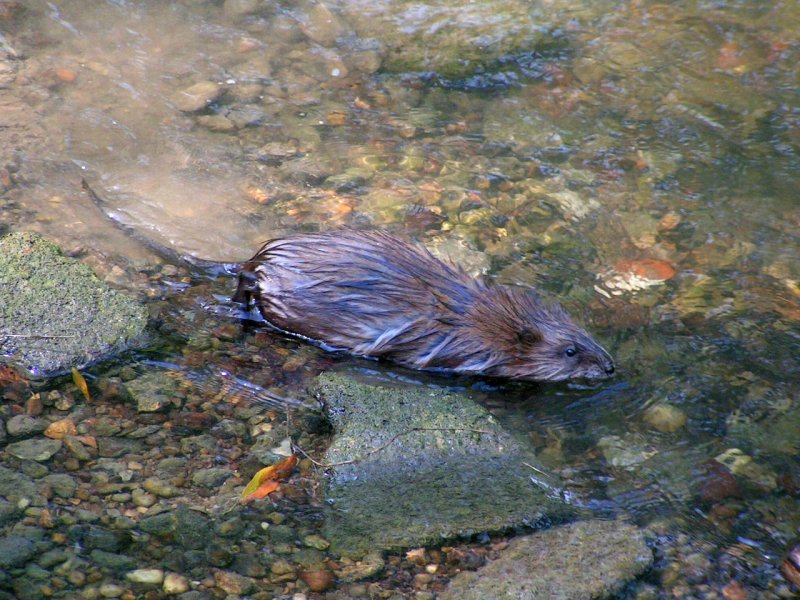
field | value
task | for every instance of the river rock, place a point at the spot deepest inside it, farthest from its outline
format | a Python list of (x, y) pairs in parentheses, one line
[(15, 551), (211, 477), (588, 559), (16, 487), (145, 576), (197, 97), (63, 485), (665, 417), (153, 392), (25, 425), (116, 563), (175, 584), (186, 528), (238, 9), (464, 475), (323, 26), (61, 313), (8, 512), (38, 449), (452, 39), (233, 583)]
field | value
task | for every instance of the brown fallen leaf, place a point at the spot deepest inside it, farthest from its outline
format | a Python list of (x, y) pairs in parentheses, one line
[(81, 383), (265, 481)]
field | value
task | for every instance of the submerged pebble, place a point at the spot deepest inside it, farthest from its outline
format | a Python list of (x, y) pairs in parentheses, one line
[(665, 417), (146, 576), (197, 97), (38, 449), (175, 584)]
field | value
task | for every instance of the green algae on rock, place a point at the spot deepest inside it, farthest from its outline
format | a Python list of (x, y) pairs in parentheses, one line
[(55, 313), (453, 39), (587, 559), (445, 469)]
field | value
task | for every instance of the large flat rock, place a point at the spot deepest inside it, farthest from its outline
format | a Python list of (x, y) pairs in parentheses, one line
[(454, 39), (55, 313), (421, 466), (579, 561)]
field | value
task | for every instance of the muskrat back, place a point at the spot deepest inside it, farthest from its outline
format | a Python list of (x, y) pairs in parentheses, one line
[(376, 295)]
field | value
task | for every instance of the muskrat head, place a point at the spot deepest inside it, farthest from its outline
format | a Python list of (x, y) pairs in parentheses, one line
[(246, 286), (559, 353), (543, 344)]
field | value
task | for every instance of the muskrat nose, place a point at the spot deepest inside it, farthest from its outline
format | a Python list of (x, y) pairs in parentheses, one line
[(609, 369)]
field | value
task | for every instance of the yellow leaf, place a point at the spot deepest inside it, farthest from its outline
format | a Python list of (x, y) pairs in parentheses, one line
[(266, 476), (81, 383), (264, 490)]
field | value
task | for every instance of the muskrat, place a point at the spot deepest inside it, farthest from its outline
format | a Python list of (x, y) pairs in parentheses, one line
[(376, 295)]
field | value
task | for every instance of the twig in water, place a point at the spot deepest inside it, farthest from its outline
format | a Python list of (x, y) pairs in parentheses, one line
[(382, 447), (34, 336)]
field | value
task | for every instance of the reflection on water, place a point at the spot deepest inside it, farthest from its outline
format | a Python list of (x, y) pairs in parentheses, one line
[(641, 166)]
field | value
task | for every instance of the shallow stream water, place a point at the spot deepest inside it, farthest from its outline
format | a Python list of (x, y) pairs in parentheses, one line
[(641, 166)]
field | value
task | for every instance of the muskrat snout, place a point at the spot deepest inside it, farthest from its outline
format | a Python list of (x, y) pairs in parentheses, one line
[(603, 364)]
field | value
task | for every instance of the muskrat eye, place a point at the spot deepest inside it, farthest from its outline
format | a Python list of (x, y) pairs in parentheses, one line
[(571, 351)]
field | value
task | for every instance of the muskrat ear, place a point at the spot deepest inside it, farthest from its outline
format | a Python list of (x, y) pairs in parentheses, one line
[(528, 337)]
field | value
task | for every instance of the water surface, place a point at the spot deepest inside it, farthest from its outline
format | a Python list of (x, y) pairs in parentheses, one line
[(640, 165)]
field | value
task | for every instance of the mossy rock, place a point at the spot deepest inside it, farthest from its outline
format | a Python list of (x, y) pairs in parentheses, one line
[(454, 40), (418, 466), (588, 559), (54, 311)]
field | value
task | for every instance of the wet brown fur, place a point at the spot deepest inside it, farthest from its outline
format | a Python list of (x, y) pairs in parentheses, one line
[(373, 294)]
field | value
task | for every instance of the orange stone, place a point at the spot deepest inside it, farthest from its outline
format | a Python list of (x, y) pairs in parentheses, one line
[(336, 117), (66, 75), (318, 580), (58, 429), (669, 221), (730, 57), (734, 591), (648, 268)]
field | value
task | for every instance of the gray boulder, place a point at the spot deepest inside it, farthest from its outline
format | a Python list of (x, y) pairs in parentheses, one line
[(454, 39), (587, 559), (55, 313), (418, 466)]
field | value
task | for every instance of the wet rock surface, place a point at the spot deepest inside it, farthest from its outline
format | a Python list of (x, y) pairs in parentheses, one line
[(59, 314), (418, 466), (451, 40), (197, 97), (587, 559)]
